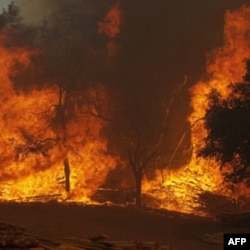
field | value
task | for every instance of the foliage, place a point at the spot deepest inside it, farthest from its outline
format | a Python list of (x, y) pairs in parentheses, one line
[(14, 33), (228, 122), (31, 145), (59, 65), (10, 17)]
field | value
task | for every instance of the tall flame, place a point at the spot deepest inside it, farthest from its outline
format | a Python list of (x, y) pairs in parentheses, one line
[(181, 188), (24, 123), (25, 115)]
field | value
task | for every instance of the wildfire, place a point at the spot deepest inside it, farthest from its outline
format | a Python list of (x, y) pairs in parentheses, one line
[(34, 159), (110, 26), (181, 189), (32, 155)]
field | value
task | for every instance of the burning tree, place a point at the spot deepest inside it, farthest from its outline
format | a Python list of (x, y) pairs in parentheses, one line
[(144, 144), (228, 139), (142, 134), (51, 94)]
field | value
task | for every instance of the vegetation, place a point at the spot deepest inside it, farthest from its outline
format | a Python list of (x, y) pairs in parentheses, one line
[(64, 61), (142, 135), (228, 122), (59, 62)]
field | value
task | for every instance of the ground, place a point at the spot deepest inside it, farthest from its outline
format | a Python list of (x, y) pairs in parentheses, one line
[(118, 223)]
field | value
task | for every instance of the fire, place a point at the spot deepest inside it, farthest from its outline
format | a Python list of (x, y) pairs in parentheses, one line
[(181, 188), (33, 157), (110, 27), (31, 153)]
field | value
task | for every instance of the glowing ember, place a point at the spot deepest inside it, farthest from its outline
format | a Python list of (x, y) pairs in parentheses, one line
[(181, 188)]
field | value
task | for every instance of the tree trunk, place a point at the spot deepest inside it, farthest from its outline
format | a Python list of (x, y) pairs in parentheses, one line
[(67, 174), (138, 184)]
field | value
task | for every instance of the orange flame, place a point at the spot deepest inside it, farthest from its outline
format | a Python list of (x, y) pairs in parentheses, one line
[(39, 174), (181, 188), (25, 116), (110, 26)]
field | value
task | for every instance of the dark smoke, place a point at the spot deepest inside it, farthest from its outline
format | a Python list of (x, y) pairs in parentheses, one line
[(160, 43)]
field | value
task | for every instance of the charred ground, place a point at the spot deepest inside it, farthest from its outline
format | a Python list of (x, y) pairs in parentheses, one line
[(53, 220)]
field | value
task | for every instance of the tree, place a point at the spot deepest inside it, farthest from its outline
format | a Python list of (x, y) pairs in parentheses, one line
[(13, 31), (10, 17), (228, 122), (57, 64), (142, 129), (144, 144), (60, 65)]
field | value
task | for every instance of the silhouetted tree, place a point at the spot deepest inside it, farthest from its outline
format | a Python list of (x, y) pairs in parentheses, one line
[(228, 123), (10, 17), (60, 62), (142, 133), (14, 32)]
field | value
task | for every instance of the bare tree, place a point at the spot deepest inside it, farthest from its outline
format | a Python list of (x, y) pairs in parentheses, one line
[(143, 135)]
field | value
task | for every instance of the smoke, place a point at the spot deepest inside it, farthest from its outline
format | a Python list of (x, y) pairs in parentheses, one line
[(4, 3), (36, 10), (159, 43), (166, 40)]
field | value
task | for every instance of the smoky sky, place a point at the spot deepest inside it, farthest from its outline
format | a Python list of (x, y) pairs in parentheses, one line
[(160, 42)]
